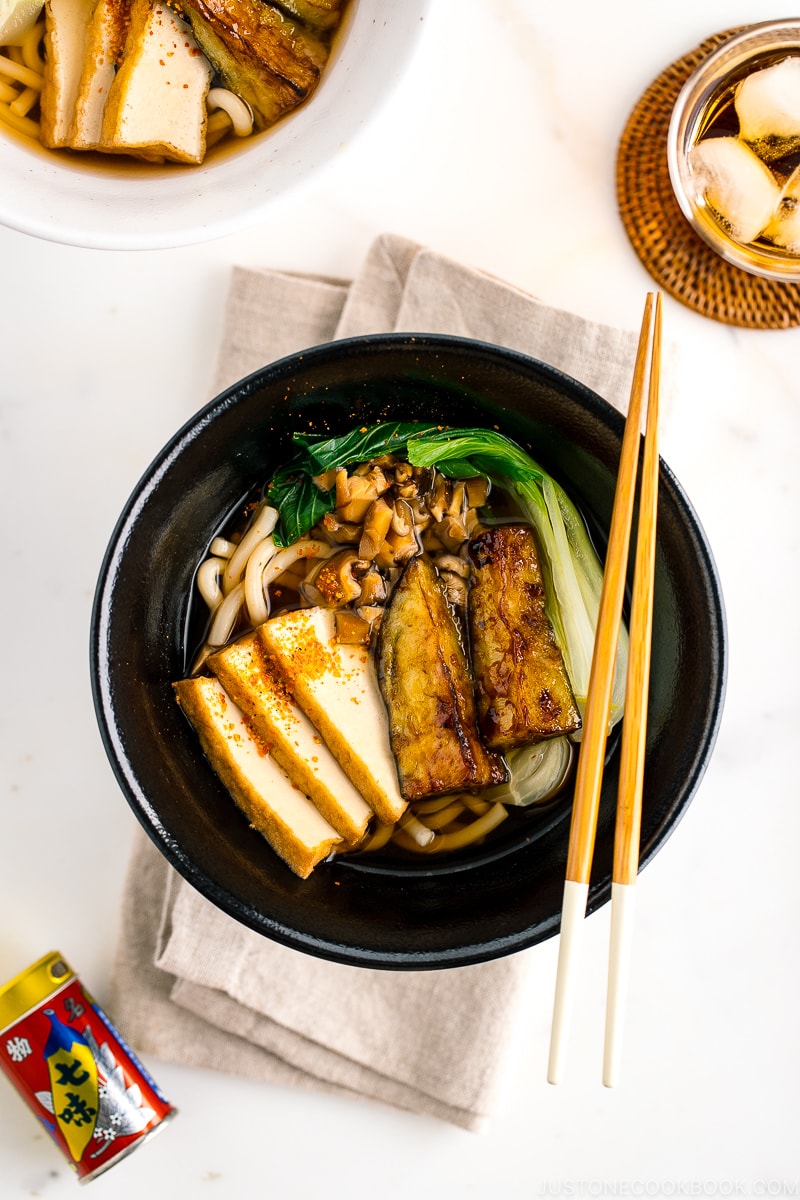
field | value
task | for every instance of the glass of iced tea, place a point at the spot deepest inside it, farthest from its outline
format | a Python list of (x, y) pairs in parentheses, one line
[(734, 150)]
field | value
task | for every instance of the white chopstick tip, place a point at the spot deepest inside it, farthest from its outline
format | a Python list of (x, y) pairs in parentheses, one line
[(623, 897), (573, 913)]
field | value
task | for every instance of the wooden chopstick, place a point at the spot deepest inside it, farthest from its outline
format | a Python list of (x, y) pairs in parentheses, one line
[(634, 732), (589, 775)]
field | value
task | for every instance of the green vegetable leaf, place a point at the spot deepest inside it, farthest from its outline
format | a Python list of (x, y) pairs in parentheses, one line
[(473, 451), (300, 504), (317, 453)]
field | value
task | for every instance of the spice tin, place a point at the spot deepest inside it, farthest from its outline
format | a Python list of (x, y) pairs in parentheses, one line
[(74, 1070)]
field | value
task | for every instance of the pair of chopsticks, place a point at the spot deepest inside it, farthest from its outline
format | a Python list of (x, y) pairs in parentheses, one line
[(598, 703)]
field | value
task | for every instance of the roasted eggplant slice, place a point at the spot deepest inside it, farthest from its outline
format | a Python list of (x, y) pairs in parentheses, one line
[(522, 689), (319, 14), (427, 687), (270, 60)]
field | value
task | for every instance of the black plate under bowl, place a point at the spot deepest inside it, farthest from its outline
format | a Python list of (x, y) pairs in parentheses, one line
[(415, 914)]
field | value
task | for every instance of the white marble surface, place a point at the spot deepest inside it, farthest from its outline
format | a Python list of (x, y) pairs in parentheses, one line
[(499, 150)]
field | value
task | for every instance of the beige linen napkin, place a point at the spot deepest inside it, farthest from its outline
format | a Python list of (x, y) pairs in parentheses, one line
[(190, 985)]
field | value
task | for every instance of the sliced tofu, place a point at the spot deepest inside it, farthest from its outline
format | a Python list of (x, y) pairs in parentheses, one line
[(292, 825), (289, 736), (157, 105), (66, 27), (337, 688), (105, 42)]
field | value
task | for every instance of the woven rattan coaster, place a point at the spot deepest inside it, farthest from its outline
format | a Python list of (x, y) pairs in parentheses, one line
[(677, 258)]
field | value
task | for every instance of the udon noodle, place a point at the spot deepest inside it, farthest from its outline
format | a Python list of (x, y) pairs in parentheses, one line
[(21, 77), (237, 578)]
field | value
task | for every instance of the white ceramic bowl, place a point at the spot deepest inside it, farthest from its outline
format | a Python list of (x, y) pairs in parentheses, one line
[(49, 196)]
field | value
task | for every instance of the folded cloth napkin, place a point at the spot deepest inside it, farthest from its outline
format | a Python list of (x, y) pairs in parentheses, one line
[(190, 985)]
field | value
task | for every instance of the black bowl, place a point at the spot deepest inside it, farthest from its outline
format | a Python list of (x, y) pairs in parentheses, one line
[(431, 913)]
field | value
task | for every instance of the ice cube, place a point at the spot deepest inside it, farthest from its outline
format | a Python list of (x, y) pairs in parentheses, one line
[(736, 185), (768, 107), (784, 228)]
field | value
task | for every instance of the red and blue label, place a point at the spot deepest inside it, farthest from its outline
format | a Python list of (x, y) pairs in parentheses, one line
[(80, 1078)]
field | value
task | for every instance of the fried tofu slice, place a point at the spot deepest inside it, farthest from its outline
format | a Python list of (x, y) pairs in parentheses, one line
[(337, 688), (66, 28), (105, 42), (521, 684), (156, 108), (425, 680), (292, 740), (292, 825), (271, 61)]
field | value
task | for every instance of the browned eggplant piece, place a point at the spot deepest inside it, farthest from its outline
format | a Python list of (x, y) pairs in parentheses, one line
[(319, 14), (522, 689), (426, 685), (264, 56)]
